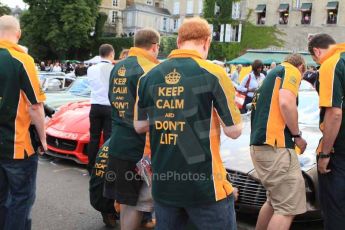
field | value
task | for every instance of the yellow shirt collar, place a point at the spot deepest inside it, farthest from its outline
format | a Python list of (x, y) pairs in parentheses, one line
[(180, 53), (9, 45), (135, 51), (335, 49)]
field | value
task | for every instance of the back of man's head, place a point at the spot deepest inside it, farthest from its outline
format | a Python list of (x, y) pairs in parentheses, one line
[(9, 28), (145, 38), (296, 60), (194, 29), (321, 41), (106, 50)]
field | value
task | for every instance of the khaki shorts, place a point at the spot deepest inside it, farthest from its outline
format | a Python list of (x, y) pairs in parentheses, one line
[(280, 173), (145, 201)]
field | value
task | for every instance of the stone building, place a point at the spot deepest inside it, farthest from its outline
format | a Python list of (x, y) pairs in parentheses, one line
[(127, 16), (299, 18)]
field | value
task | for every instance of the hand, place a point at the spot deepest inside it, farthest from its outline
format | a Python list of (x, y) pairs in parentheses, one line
[(301, 144), (236, 193), (44, 147), (322, 165)]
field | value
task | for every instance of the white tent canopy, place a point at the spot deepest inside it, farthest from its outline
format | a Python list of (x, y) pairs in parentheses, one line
[(94, 60)]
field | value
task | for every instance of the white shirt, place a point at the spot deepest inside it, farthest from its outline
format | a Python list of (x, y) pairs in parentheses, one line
[(98, 76), (254, 83), (57, 69)]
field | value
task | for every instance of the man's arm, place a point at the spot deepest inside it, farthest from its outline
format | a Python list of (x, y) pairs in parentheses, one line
[(36, 112), (288, 108), (332, 122)]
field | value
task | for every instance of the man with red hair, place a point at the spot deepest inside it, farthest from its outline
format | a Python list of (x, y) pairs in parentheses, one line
[(182, 103)]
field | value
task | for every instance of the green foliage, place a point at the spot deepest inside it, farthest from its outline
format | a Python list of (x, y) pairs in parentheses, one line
[(100, 21), (225, 14), (4, 10), (253, 37), (167, 45), (59, 28), (118, 43)]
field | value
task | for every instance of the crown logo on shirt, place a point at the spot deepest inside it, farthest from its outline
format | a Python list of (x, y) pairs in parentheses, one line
[(122, 71), (172, 78)]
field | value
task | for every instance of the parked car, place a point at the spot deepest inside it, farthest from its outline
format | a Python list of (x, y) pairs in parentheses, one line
[(238, 163), (56, 84), (79, 90), (68, 132)]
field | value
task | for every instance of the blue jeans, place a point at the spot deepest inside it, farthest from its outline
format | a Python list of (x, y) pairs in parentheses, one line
[(216, 216), (17, 192)]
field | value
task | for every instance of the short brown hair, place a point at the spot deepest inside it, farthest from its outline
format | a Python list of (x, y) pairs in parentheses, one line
[(105, 50), (146, 37), (196, 29), (322, 41), (295, 60)]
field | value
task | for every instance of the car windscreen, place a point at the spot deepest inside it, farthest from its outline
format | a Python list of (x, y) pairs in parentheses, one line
[(80, 87)]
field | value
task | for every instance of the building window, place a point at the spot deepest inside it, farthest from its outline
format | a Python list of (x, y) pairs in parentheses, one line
[(306, 13), (283, 14), (177, 7), (189, 6), (176, 24), (201, 6), (149, 2), (114, 16), (261, 12), (115, 2), (130, 19), (332, 12), (236, 10), (165, 24)]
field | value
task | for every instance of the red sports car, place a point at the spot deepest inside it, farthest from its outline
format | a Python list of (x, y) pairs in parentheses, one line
[(68, 132)]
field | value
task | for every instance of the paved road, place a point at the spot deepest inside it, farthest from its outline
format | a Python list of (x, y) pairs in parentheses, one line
[(62, 201)]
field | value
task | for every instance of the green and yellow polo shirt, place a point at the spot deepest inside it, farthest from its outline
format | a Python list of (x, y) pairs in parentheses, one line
[(19, 88), (125, 143), (332, 89), (186, 99), (267, 123)]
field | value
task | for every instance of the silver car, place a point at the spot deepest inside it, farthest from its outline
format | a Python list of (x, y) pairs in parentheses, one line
[(238, 163)]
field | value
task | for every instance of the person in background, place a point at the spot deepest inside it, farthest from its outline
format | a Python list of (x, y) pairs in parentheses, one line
[(100, 113), (331, 151), (57, 67), (274, 134), (311, 75), (236, 75), (178, 100), (272, 66), (126, 147), (43, 66), (251, 83), (21, 104)]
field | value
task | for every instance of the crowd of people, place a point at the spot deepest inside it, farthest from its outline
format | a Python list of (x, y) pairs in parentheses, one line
[(169, 115)]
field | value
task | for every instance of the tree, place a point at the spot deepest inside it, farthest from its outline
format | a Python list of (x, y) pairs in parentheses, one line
[(4, 9), (59, 28)]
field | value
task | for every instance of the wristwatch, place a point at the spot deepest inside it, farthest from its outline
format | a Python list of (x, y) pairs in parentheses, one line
[(299, 135), (324, 155)]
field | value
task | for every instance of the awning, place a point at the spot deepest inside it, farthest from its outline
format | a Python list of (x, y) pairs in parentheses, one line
[(306, 7), (260, 8), (267, 57), (332, 6), (283, 7)]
